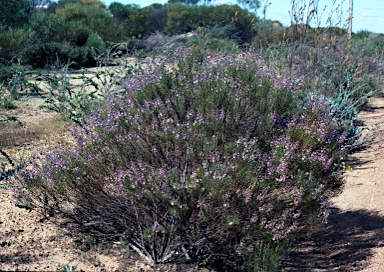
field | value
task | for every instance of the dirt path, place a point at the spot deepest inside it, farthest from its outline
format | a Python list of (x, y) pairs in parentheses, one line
[(353, 239)]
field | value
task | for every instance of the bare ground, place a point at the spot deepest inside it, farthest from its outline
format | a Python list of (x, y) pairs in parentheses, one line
[(353, 240)]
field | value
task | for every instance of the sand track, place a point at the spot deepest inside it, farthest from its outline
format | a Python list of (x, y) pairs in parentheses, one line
[(353, 239)]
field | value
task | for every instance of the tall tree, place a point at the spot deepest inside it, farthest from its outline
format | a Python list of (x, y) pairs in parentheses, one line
[(252, 5), (190, 2), (14, 12), (122, 12)]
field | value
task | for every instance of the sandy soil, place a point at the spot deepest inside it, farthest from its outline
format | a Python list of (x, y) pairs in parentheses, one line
[(31, 241), (353, 240)]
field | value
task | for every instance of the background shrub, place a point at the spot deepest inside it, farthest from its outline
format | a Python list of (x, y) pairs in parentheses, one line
[(57, 42), (14, 13), (89, 13), (135, 24), (157, 18), (122, 12), (237, 23), (243, 22), (95, 43), (178, 15), (13, 42), (56, 54)]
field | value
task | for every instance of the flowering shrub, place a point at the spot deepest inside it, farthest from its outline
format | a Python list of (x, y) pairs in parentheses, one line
[(203, 157), (338, 69)]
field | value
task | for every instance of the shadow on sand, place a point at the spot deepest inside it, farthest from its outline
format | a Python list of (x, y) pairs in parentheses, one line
[(346, 243)]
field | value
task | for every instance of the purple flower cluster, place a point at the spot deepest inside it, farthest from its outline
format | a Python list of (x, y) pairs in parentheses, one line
[(217, 150)]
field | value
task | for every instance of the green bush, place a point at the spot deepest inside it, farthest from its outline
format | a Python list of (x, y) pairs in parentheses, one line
[(135, 25), (13, 42), (238, 23), (73, 32), (5, 72), (96, 43), (183, 18), (57, 42), (177, 17), (56, 54), (133, 21), (6, 101), (209, 40), (13, 84), (243, 22), (370, 44), (122, 12), (269, 33), (89, 13), (157, 17), (14, 13)]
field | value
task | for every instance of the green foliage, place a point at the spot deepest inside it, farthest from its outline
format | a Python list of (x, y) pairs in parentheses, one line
[(135, 24), (95, 43), (5, 72), (58, 42), (188, 2), (370, 44), (266, 257), (156, 18), (214, 39), (252, 5), (199, 16), (16, 83), (122, 12), (361, 34), (73, 32), (69, 268), (96, 3), (14, 13), (140, 23), (242, 22), (84, 24), (90, 13), (238, 23), (56, 54), (69, 99), (55, 41), (178, 15), (269, 34), (74, 95), (6, 101), (13, 42)]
